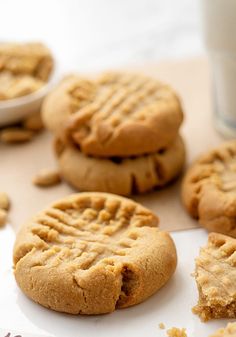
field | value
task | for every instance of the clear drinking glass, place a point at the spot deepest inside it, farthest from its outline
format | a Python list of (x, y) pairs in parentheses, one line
[(219, 28)]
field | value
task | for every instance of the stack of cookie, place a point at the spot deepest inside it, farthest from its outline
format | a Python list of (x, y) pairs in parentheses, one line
[(117, 133)]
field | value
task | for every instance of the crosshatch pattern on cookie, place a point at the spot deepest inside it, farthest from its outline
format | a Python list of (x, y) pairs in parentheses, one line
[(92, 253), (118, 98), (218, 167), (216, 278), (114, 114), (83, 231)]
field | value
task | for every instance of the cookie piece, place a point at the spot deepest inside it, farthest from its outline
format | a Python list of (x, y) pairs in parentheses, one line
[(91, 253), (117, 175), (215, 275), (116, 114), (209, 189), (229, 331)]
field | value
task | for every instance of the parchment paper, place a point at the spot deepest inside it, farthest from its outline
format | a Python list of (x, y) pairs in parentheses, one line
[(19, 163)]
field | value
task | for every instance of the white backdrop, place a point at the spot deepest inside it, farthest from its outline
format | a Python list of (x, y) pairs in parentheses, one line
[(92, 34)]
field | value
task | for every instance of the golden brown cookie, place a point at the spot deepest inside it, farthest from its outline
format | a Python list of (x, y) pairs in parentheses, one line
[(215, 275), (209, 189), (24, 68), (116, 114), (91, 253), (229, 331), (117, 175)]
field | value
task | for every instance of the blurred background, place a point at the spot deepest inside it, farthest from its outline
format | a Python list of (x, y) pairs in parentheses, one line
[(91, 35)]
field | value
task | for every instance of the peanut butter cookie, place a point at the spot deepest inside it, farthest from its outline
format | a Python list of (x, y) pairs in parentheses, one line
[(215, 275), (91, 253), (122, 176), (116, 114), (209, 189)]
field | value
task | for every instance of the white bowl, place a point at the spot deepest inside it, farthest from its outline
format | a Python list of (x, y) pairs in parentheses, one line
[(14, 110)]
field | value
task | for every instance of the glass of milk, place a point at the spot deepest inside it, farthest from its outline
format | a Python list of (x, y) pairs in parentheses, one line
[(219, 26)]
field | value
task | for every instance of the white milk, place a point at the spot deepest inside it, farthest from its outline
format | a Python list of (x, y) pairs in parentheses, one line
[(219, 22)]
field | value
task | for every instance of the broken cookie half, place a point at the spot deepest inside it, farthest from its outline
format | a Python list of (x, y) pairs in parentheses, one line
[(215, 276)]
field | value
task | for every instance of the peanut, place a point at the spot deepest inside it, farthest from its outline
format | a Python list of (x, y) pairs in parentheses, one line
[(47, 178), (4, 201), (3, 217), (16, 135)]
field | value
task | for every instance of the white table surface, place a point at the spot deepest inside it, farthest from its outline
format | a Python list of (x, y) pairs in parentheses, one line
[(171, 305), (89, 35)]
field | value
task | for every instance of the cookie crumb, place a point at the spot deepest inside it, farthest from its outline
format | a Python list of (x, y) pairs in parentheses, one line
[(3, 217), (15, 135), (47, 178), (162, 325), (176, 332)]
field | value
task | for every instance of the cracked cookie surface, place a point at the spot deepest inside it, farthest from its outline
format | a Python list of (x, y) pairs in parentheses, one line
[(24, 68), (209, 189), (215, 276), (121, 176), (91, 253), (116, 114)]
